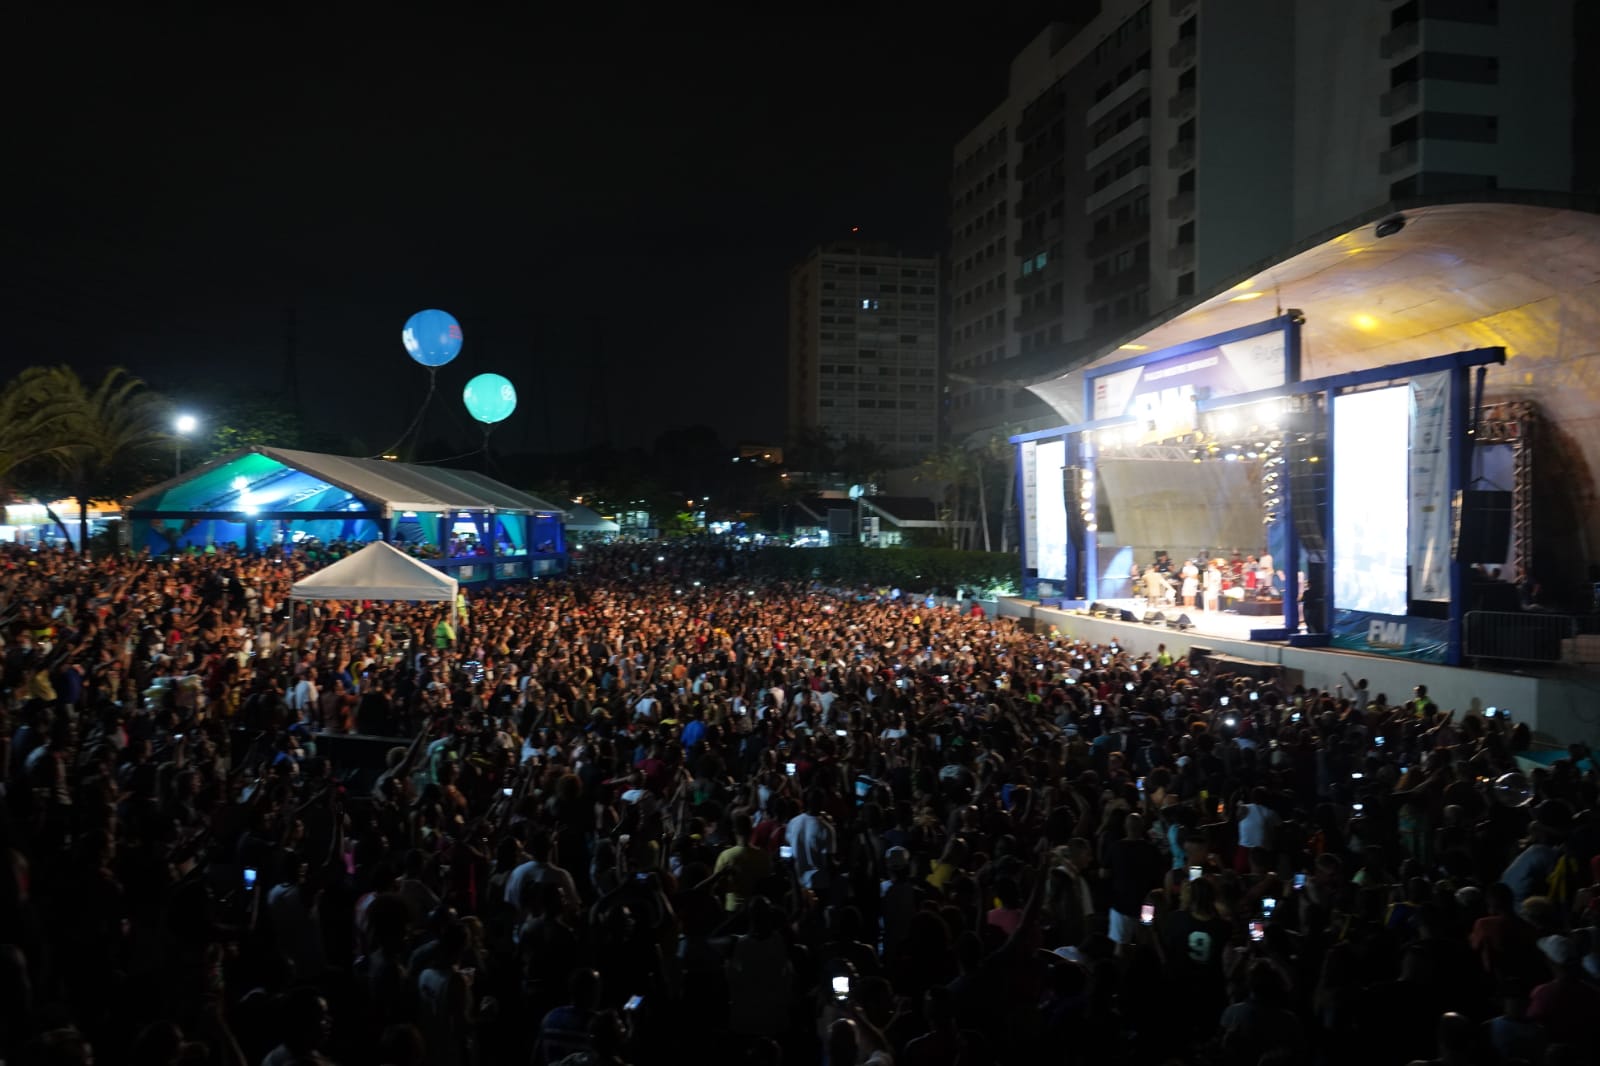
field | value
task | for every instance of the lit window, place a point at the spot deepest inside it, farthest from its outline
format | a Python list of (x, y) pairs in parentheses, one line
[(1027, 267), (1040, 260), (869, 305)]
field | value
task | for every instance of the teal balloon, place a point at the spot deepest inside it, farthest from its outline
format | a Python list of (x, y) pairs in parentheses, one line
[(432, 338), (490, 398)]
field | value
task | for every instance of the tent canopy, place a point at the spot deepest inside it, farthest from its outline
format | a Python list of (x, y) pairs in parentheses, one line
[(377, 572), (586, 520)]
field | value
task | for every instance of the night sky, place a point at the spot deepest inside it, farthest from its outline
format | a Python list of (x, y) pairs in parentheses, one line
[(611, 215)]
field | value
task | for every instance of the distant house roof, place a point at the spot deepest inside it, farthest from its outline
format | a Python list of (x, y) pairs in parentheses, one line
[(819, 506), (283, 480)]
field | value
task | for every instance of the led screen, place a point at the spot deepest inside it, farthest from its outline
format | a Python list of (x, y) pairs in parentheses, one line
[(1051, 557), (1371, 504)]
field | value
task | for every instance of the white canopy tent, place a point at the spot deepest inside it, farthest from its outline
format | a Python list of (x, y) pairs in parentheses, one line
[(379, 571)]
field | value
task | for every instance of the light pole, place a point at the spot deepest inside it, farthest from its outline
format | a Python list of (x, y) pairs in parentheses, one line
[(184, 425)]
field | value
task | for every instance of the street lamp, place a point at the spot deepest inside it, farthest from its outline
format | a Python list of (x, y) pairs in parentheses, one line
[(184, 425)]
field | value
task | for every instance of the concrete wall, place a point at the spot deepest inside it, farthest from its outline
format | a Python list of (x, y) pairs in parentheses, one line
[(1559, 710)]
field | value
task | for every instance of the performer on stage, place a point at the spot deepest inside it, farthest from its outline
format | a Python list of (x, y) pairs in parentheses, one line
[(1191, 582), (1157, 590), (1267, 574), (1213, 584)]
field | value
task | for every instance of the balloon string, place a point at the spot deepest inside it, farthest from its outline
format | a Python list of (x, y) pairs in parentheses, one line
[(394, 448)]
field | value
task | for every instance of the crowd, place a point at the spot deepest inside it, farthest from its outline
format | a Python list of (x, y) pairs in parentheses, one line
[(660, 812)]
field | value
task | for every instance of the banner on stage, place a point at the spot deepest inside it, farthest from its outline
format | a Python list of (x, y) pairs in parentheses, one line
[(1162, 394), (1424, 640), (1430, 487), (1030, 504)]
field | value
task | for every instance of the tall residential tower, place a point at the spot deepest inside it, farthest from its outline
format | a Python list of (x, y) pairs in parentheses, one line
[(1142, 161), (864, 348)]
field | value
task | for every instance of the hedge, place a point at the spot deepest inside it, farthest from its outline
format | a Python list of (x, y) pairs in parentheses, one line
[(910, 568)]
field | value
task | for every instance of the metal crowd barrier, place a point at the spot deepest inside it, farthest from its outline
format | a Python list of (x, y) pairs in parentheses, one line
[(1517, 636)]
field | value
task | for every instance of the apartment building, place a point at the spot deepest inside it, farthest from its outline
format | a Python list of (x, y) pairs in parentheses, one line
[(1145, 159), (864, 348)]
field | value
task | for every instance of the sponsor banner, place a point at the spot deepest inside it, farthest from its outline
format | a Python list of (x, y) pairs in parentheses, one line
[(1030, 504), (1430, 488), (1425, 640), (1162, 394)]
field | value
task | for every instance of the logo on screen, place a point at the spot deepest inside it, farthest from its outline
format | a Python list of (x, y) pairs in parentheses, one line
[(1386, 634)]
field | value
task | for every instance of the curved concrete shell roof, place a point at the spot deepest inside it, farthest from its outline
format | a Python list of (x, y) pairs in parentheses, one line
[(1457, 276)]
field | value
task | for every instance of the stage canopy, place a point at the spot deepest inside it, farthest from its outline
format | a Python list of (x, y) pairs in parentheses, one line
[(458, 520), (1523, 276), (581, 519), (377, 572)]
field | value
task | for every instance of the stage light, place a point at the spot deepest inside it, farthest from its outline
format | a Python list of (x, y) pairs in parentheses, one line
[(1133, 347), (1091, 527), (1364, 322), (1243, 296), (1231, 457), (1087, 491), (1242, 286), (1249, 455)]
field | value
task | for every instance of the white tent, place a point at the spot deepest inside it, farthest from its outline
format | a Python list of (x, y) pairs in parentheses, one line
[(581, 519), (379, 571)]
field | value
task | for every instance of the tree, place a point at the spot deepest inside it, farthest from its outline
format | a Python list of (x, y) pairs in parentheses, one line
[(240, 423), (29, 425), (861, 461), (108, 436), (951, 468)]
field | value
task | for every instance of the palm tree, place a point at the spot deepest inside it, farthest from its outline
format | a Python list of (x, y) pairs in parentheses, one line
[(951, 468), (107, 432), (30, 418)]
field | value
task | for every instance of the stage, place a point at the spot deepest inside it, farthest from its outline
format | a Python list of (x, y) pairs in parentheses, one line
[(1558, 708), (1232, 625)]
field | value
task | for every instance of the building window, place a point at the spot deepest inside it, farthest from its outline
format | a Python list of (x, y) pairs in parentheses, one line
[(1040, 260), (868, 305), (1186, 284)]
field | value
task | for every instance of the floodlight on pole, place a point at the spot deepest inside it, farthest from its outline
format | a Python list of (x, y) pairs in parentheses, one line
[(183, 425)]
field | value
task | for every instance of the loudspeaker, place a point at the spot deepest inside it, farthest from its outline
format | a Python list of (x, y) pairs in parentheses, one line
[(1154, 618), (1127, 615), (1097, 609), (1483, 526), (1314, 604), (1181, 623)]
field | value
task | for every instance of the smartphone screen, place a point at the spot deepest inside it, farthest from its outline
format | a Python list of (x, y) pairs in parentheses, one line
[(1378, 741), (249, 878), (788, 768), (1268, 905), (1258, 931), (841, 987), (841, 732), (633, 1003), (506, 791), (1358, 807), (1223, 701), (1194, 873), (1299, 880), (1147, 914), (785, 851)]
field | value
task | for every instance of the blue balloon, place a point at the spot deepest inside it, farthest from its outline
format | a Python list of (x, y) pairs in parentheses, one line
[(490, 398), (433, 338)]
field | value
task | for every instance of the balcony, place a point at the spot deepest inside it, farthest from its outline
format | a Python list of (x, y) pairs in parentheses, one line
[(1182, 104), (1136, 132), (1181, 205), (1400, 157), (1134, 179), (1033, 162), (1036, 279), (1181, 155), (1400, 40), (1133, 277), (1122, 236), (1178, 8), (1038, 238), (1039, 199), (1042, 315), (1181, 257), (1040, 114), (1400, 98), (1139, 83), (1182, 54)]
